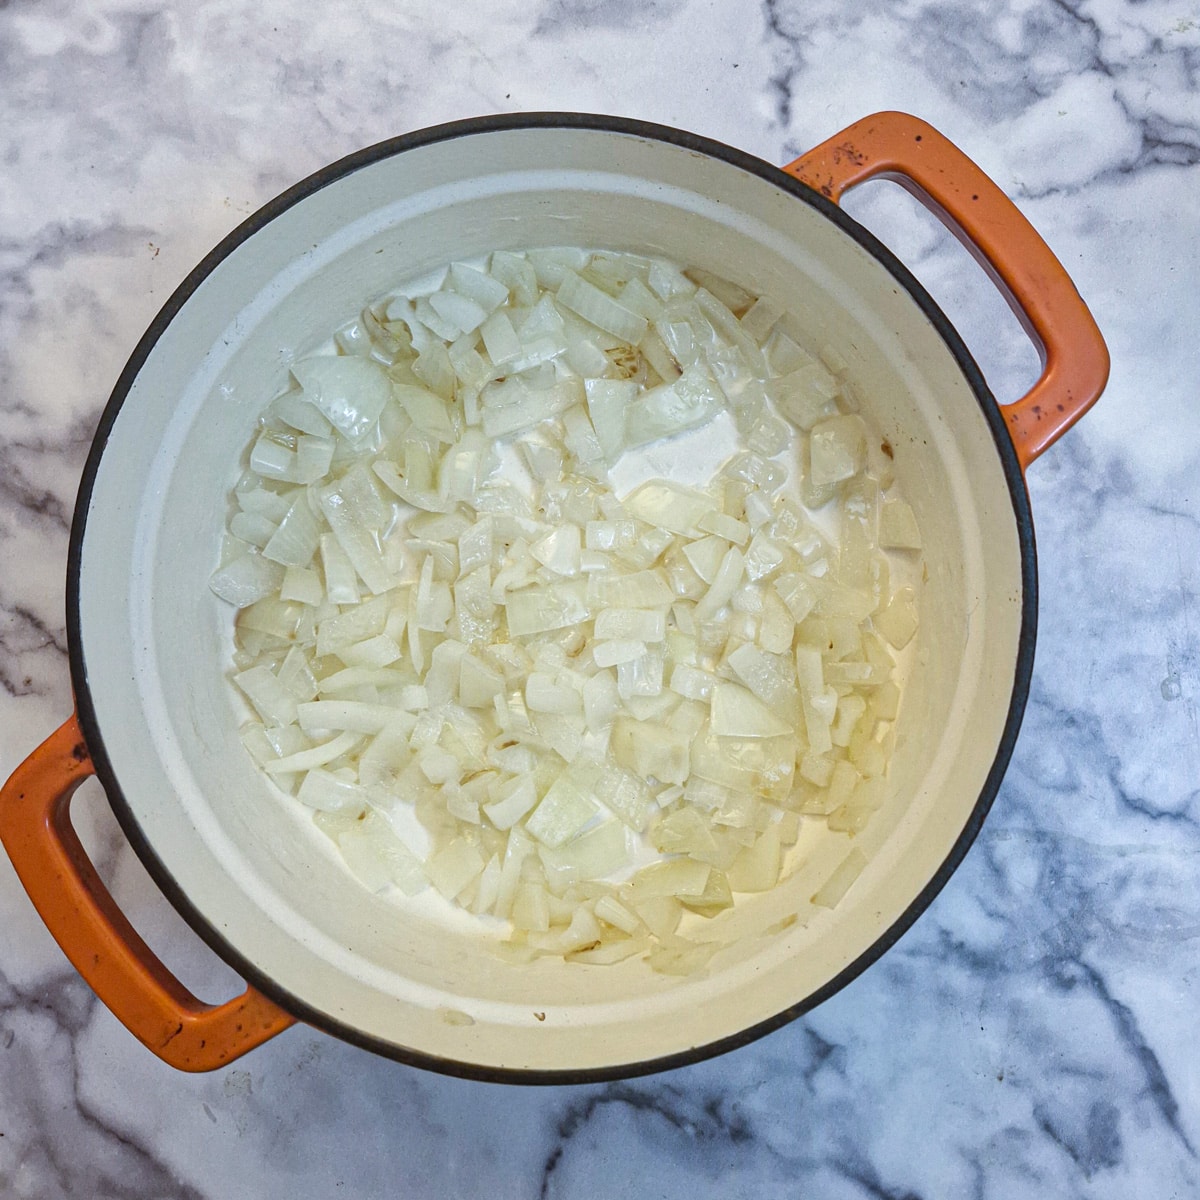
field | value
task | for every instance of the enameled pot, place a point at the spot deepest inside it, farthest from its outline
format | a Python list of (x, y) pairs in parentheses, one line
[(156, 719)]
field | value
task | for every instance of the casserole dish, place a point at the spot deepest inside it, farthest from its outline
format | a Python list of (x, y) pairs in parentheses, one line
[(156, 719)]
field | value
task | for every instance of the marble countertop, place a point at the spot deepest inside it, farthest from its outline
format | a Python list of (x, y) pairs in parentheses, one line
[(1034, 1034)]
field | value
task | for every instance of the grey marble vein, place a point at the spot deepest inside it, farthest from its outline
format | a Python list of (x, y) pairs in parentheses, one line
[(628, 16), (62, 1147)]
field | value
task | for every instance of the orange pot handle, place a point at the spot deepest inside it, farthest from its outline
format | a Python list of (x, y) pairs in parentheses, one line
[(900, 147), (35, 826)]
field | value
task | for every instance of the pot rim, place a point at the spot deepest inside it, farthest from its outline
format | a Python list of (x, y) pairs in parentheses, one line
[(500, 123)]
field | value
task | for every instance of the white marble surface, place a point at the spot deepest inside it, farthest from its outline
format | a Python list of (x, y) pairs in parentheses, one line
[(1035, 1033)]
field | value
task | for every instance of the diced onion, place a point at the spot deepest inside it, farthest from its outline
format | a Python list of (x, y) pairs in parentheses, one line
[(599, 309), (350, 392), (611, 715), (247, 578)]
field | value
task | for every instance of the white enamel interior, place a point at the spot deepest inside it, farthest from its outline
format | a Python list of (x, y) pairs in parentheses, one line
[(155, 641)]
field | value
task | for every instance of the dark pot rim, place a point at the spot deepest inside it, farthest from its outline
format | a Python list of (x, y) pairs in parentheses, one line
[(670, 136)]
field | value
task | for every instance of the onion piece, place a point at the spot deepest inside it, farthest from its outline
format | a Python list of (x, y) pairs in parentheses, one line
[(349, 392), (458, 310), (254, 528), (516, 273), (317, 756), (327, 792), (303, 585), (403, 867), (500, 339), (737, 712), (608, 401), (513, 802), (563, 813), (298, 411), (272, 701), (837, 449), (639, 589), (689, 402), (898, 620), (898, 529), (350, 715), (523, 408), (592, 855), (726, 580), (556, 607), (427, 410), (617, 652), (668, 506), (487, 292), (246, 579), (295, 540), (454, 868), (600, 309), (631, 623)]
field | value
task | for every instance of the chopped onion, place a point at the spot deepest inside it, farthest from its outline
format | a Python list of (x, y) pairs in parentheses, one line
[(327, 792), (295, 539), (246, 579), (458, 310), (563, 813), (274, 703), (297, 410), (520, 407), (477, 285), (427, 410), (737, 712), (690, 401), (500, 339), (349, 392), (318, 756), (354, 715), (631, 623), (668, 506), (898, 526), (611, 715), (837, 449), (599, 309), (516, 273)]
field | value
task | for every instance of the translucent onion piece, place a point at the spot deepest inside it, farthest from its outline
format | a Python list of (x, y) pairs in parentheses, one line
[(837, 449), (271, 699), (318, 756), (600, 309), (487, 292), (564, 812), (247, 578), (608, 401), (349, 392), (298, 411), (357, 541), (737, 712), (668, 506), (295, 540), (691, 401), (898, 528)]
